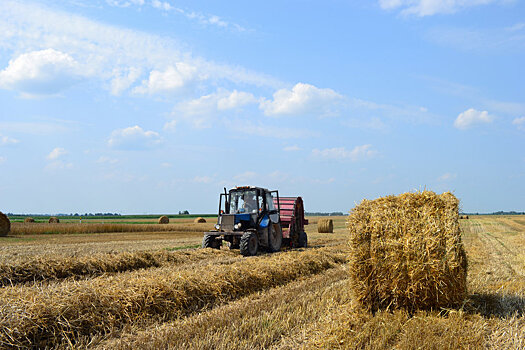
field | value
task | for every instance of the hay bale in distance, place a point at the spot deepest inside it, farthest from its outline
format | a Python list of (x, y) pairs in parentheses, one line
[(29, 220), (199, 220), (5, 224), (164, 220), (406, 252), (325, 226), (54, 220)]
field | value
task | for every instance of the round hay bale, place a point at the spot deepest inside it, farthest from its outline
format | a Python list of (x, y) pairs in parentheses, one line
[(164, 220), (199, 220), (325, 226), (406, 252), (29, 220), (54, 220), (5, 224)]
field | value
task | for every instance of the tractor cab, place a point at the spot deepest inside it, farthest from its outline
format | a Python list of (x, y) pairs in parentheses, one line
[(249, 218)]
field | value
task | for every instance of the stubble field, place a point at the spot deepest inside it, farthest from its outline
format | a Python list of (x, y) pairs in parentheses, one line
[(148, 286)]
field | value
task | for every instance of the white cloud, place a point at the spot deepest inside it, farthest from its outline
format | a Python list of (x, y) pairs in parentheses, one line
[(123, 79), (301, 99), (43, 72), (472, 117), (172, 79), (2, 159), (447, 177), (109, 54), (134, 138), (165, 6), (171, 125), (56, 153), (6, 140), (431, 7), (519, 122), (58, 165), (341, 153), (291, 148), (200, 112)]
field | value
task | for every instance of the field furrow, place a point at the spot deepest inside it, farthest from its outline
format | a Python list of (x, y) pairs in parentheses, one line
[(54, 268), (45, 316), (258, 321)]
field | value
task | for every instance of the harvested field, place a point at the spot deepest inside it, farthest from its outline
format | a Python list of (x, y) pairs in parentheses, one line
[(54, 268), (70, 228), (61, 313), (296, 299), (53, 220)]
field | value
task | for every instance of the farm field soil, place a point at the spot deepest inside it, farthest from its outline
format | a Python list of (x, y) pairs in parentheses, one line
[(259, 302)]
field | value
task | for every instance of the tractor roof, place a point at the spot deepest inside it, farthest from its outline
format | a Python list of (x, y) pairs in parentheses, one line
[(237, 188)]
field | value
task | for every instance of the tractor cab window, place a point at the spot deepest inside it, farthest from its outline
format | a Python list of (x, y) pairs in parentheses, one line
[(269, 200), (243, 202)]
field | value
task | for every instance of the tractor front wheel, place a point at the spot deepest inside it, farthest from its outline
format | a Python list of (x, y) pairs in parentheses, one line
[(210, 241), (249, 243)]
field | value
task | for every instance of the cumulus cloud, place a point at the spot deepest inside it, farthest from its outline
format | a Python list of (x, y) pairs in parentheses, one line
[(341, 153), (431, 7), (519, 122), (301, 99), (56, 153), (172, 79), (134, 138), (123, 78), (472, 117), (201, 111), (43, 72), (112, 55)]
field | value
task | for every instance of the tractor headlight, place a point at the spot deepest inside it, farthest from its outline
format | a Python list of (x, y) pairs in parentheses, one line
[(217, 226), (237, 226)]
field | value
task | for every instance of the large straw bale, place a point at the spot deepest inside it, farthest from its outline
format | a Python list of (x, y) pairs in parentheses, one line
[(54, 220), (406, 252), (164, 220), (199, 220), (325, 226), (29, 220), (5, 224)]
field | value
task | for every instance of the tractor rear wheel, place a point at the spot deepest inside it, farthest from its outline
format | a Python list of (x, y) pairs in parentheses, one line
[(275, 239), (249, 244), (210, 241), (303, 240)]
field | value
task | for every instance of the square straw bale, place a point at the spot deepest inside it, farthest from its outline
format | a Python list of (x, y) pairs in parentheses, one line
[(406, 252)]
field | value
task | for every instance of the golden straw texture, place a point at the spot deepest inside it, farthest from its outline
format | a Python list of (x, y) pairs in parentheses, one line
[(325, 226), (29, 220), (199, 220), (5, 224), (54, 220), (164, 220), (406, 252)]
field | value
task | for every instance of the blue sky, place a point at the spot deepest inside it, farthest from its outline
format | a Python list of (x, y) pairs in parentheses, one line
[(148, 106)]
